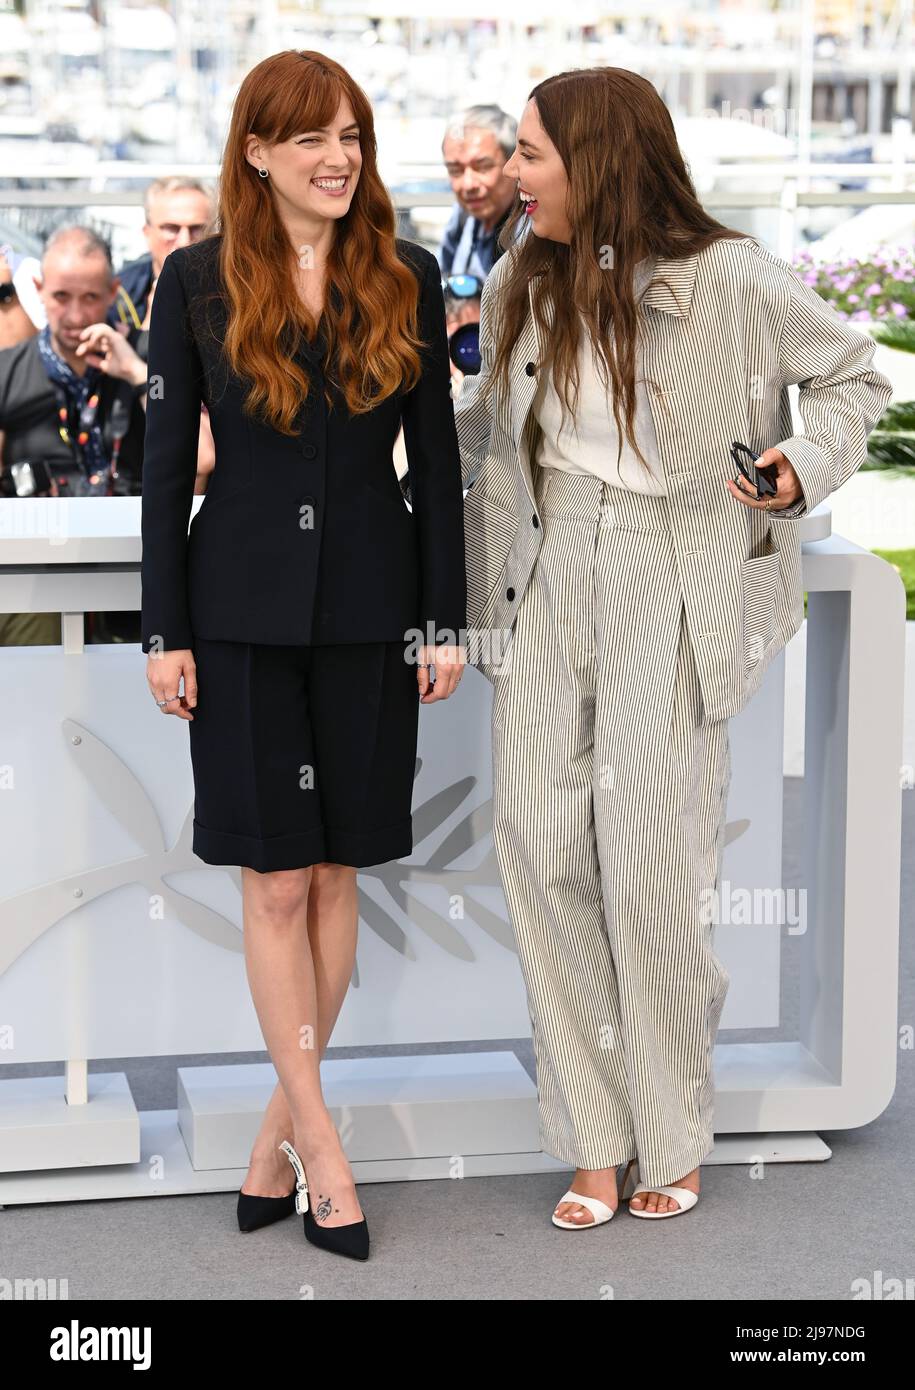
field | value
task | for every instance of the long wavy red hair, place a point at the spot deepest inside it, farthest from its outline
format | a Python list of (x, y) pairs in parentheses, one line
[(370, 294)]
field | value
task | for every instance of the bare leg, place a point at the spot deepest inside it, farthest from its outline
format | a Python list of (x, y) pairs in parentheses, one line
[(333, 917), (300, 942)]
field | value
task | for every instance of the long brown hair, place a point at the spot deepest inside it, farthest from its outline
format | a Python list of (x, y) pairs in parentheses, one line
[(629, 190), (371, 295)]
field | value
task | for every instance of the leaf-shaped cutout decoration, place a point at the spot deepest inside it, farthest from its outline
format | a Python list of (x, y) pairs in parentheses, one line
[(467, 833), (204, 921), (27, 916), (438, 928), (115, 786), (382, 923), (183, 849), (434, 812), (185, 840), (488, 871), (500, 931), (734, 829)]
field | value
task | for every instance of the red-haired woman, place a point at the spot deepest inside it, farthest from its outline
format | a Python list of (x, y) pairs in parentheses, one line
[(308, 605)]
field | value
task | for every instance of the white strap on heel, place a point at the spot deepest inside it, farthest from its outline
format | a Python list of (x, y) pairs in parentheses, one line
[(301, 1184), (598, 1209), (683, 1195)]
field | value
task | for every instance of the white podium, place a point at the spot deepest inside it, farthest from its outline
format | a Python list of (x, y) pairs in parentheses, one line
[(115, 940)]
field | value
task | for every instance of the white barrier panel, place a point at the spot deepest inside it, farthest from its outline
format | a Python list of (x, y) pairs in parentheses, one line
[(116, 941)]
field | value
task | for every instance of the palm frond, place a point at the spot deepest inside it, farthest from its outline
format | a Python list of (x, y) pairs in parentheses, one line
[(891, 448), (899, 335)]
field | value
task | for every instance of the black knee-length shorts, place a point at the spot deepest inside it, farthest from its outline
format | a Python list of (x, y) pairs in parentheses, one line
[(303, 755)]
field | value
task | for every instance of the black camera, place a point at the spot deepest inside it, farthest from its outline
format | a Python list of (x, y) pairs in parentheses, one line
[(464, 342), (28, 478), (464, 348), (37, 478)]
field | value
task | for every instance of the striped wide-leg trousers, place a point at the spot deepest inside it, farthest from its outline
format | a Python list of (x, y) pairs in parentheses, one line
[(609, 799)]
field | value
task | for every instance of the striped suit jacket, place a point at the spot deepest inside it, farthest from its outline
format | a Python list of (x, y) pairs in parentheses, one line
[(724, 337)]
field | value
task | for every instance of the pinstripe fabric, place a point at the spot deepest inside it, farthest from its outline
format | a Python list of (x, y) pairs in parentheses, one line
[(725, 332), (609, 794), (636, 626)]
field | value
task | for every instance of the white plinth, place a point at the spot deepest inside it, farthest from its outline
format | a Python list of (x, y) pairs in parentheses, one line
[(38, 1129), (385, 1108)]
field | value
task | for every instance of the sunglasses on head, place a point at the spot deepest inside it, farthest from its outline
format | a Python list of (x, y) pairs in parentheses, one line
[(763, 479)]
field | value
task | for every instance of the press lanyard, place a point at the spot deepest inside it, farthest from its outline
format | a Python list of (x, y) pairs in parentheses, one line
[(119, 423)]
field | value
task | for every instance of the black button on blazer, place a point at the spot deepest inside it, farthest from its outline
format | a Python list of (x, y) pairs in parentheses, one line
[(300, 539)]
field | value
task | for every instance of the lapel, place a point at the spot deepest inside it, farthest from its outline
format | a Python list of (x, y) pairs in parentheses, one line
[(673, 298)]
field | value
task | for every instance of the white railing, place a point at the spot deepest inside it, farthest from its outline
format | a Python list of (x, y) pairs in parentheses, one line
[(85, 187)]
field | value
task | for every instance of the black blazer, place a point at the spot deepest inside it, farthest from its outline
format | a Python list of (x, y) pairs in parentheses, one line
[(301, 539)]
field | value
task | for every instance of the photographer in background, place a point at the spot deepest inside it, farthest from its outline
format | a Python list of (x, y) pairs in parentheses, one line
[(178, 211), (478, 144), (72, 414)]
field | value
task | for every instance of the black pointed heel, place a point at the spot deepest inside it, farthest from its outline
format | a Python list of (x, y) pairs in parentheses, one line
[(254, 1211), (351, 1240)]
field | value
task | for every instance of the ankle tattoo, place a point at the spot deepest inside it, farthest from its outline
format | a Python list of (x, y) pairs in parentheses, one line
[(323, 1209)]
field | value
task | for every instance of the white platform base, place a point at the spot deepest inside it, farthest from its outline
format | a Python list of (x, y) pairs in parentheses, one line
[(399, 1108), (401, 1118), (40, 1130), (164, 1169)]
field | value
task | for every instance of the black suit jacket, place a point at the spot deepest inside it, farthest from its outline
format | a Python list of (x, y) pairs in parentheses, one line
[(304, 539)]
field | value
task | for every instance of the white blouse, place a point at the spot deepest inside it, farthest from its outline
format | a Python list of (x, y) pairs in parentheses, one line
[(592, 446)]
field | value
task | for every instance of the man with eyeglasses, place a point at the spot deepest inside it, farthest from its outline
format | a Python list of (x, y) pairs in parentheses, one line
[(178, 211)]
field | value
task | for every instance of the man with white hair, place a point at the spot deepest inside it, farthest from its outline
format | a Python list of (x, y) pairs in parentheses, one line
[(477, 145), (178, 211)]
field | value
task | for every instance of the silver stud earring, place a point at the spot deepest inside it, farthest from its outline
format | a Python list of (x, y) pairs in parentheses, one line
[(264, 173)]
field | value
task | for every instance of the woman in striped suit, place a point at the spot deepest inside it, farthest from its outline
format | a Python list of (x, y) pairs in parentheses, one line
[(626, 594)]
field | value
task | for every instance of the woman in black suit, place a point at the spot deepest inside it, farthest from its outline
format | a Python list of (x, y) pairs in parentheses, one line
[(306, 608)]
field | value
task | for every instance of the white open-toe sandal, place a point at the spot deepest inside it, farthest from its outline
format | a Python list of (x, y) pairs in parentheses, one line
[(683, 1195), (598, 1209)]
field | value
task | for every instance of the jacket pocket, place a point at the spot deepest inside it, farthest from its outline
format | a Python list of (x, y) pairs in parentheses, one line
[(489, 532), (760, 581)]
